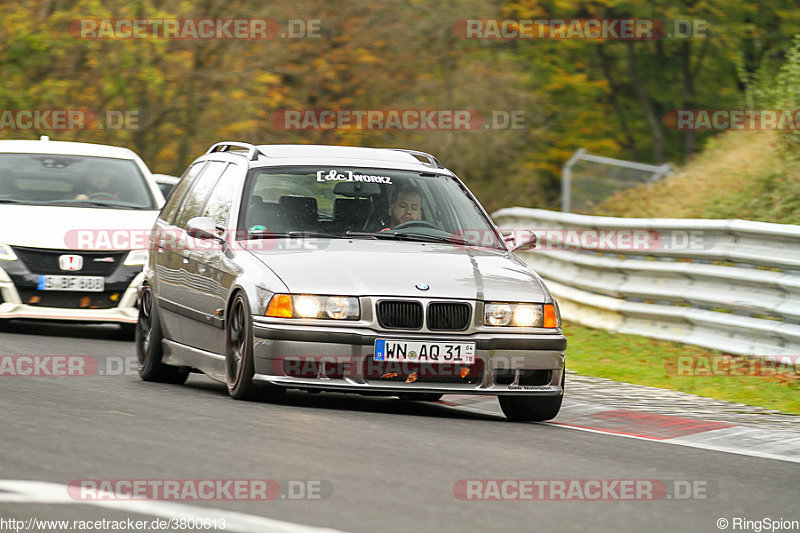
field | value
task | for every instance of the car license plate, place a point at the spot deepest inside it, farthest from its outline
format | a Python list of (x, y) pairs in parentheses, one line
[(71, 283), (425, 352)]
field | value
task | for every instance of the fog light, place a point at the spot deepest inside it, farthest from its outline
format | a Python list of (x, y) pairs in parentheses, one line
[(136, 257), (6, 253)]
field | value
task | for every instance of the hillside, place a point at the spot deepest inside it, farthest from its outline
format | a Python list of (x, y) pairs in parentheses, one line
[(748, 175)]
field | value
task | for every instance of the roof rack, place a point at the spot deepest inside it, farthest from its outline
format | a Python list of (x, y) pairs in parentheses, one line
[(252, 150), (432, 161)]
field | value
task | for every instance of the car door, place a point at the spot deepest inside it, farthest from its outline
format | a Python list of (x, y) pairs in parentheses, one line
[(212, 268), (184, 304), (166, 254)]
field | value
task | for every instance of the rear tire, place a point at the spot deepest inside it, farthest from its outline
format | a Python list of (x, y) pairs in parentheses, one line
[(532, 408), (239, 363), (148, 345)]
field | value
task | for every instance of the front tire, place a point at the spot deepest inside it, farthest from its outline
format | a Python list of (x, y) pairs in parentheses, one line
[(148, 345), (532, 408), (239, 363)]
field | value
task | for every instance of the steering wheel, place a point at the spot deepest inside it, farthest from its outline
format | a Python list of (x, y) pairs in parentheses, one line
[(415, 224), (103, 196)]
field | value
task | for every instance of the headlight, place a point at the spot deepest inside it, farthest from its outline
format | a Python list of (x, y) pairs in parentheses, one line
[(136, 257), (313, 306), (306, 306), (498, 315), (520, 315), (6, 253), (339, 307), (526, 316)]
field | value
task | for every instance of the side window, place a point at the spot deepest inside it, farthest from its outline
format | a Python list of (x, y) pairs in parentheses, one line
[(174, 201), (196, 198), (219, 203)]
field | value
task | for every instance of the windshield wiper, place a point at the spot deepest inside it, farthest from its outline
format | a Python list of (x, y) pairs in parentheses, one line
[(291, 234), (418, 237), (15, 201)]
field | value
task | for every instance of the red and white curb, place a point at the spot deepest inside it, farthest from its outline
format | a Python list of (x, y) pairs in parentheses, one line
[(636, 424)]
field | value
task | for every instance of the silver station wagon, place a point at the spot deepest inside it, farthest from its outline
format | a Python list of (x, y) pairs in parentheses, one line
[(344, 269)]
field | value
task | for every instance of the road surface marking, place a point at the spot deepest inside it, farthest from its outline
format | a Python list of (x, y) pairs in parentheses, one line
[(715, 436), (23, 491)]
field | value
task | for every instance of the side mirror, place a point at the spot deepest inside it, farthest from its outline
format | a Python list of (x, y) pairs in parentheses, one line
[(202, 228), (522, 239)]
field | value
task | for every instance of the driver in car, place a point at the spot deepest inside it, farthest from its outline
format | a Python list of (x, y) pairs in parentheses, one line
[(406, 206), (97, 187)]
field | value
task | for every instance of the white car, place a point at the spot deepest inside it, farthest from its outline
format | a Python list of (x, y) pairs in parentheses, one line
[(166, 183), (76, 219)]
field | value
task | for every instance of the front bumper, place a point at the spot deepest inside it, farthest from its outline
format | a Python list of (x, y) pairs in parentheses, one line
[(12, 306), (342, 359)]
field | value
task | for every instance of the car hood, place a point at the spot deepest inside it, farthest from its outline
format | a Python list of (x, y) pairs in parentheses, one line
[(390, 268), (59, 227)]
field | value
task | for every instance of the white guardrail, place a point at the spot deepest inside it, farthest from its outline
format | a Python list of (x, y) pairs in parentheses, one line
[(730, 285)]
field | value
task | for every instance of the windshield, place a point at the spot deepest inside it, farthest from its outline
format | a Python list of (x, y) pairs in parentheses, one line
[(73, 181), (367, 203)]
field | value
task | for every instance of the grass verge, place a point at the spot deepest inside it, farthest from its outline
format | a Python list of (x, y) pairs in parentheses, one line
[(645, 361), (751, 175)]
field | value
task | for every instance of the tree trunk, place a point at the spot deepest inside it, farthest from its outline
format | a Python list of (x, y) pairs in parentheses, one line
[(687, 94), (653, 122), (630, 140)]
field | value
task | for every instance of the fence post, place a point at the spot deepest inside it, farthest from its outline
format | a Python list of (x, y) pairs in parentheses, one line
[(566, 180)]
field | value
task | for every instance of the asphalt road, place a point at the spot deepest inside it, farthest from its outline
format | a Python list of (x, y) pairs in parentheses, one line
[(383, 464)]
